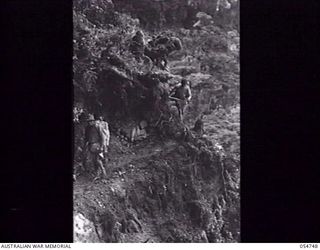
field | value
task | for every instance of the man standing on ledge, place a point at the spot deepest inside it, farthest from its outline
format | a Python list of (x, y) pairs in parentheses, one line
[(182, 96), (97, 138)]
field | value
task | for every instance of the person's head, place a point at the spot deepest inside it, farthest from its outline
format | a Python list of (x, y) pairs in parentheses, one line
[(156, 81), (143, 124), (184, 82), (139, 33), (90, 118), (98, 117), (82, 117)]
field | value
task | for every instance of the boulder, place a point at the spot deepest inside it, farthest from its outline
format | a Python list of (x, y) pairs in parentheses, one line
[(204, 19), (84, 230), (184, 70), (198, 78)]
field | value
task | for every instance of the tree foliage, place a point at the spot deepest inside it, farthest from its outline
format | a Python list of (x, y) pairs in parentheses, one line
[(156, 13)]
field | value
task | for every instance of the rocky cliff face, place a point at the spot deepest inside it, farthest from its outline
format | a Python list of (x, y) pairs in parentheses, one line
[(176, 185)]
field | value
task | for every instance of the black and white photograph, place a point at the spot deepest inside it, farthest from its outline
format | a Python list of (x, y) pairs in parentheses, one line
[(156, 117), (123, 123)]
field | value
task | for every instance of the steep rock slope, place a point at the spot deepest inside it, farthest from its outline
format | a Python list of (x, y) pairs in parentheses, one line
[(176, 185)]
